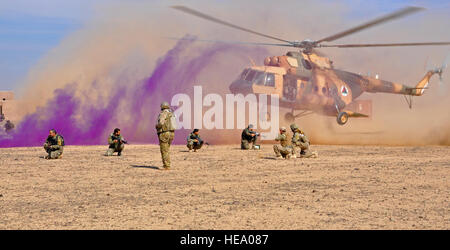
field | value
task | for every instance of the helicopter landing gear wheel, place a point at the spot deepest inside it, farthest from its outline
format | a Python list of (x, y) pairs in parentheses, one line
[(289, 117), (342, 118)]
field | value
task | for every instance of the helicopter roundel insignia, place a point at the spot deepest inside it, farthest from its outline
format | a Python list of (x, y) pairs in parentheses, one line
[(344, 90)]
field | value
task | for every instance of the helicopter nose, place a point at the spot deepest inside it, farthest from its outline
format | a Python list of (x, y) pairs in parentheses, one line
[(240, 87)]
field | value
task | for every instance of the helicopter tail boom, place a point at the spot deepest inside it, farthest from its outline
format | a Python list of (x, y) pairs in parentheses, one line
[(423, 84)]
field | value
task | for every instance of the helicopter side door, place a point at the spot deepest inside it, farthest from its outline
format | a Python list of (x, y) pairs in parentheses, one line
[(289, 88)]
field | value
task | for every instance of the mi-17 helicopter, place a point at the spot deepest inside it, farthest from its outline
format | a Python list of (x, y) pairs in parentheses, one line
[(307, 81)]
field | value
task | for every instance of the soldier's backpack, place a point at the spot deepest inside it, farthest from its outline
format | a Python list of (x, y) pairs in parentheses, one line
[(62, 140), (170, 122)]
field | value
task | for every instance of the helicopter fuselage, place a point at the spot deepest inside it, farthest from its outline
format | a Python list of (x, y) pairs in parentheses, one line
[(309, 82)]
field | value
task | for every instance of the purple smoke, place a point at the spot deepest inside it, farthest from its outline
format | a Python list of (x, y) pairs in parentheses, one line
[(176, 72)]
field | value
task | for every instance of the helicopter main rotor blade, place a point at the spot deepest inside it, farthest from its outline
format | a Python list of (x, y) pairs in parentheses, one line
[(213, 19), (231, 42), (382, 45), (394, 15)]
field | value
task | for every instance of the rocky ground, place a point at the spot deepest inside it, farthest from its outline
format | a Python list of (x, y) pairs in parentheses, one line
[(222, 187)]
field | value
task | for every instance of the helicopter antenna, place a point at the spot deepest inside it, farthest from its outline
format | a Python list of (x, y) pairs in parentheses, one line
[(252, 61)]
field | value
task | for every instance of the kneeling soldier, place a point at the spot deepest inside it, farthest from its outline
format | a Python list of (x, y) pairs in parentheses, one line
[(194, 141), (284, 150), (248, 136), (116, 143), (300, 143), (54, 145)]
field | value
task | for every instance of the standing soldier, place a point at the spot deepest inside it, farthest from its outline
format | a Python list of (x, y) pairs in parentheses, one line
[(116, 143), (165, 127), (300, 143), (9, 126), (284, 150), (54, 145), (194, 141), (249, 135)]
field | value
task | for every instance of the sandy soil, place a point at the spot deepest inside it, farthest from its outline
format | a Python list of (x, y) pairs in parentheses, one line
[(222, 187)]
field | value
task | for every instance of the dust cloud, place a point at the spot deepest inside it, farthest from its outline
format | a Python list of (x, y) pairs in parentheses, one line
[(119, 65)]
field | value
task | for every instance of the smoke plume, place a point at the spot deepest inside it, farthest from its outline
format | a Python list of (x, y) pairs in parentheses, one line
[(118, 68)]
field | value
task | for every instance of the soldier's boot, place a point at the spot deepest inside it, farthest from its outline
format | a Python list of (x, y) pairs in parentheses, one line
[(254, 142), (195, 150), (245, 145), (306, 154), (295, 152), (277, 152), (55, 155), (120, 149), (109, 152)]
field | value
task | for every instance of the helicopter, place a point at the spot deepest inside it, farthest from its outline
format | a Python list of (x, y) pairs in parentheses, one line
[(308, 82)]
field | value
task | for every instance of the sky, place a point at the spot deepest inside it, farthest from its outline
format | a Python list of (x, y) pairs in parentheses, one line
[(29, 29)]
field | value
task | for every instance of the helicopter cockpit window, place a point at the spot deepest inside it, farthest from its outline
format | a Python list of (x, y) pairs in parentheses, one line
[(244, 73), (259, 78), (306, 64), (270, 80), (251, 74)]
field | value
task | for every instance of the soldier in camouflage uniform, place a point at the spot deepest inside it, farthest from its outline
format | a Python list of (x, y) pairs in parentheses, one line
[(194, 141), (300, 143), (9, 126), (284, 150), (165, 128), (248, 136), (54, 145), (116, 143)]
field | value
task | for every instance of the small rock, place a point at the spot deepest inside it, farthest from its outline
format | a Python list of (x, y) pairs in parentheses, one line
[(1, 195), (314, 191), (356, 168), (107, 194)]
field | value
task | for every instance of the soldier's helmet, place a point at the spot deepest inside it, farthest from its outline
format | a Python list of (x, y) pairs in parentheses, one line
[(294, 127), (165, 105), (283, 129), (250, 126)]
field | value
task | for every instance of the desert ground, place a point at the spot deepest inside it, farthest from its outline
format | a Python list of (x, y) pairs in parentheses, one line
[(222, 187)]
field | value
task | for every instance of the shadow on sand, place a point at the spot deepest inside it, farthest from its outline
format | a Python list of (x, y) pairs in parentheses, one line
[(269, 158), (150, 167)]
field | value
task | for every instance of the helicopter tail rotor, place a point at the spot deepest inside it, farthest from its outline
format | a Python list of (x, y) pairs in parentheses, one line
[(439, 71)]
